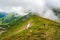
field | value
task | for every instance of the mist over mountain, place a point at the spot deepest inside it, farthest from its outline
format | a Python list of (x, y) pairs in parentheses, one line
[(43, 8)]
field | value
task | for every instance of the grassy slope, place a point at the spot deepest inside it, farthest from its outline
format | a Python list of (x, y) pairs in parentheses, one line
[(41, 29), (14, 29)]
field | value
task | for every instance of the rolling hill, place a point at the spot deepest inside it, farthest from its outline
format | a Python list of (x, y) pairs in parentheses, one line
[(33, 28)]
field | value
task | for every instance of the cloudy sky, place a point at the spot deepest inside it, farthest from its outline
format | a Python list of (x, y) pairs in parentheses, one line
[(34, 5), (17, 3), (42, 7), (5, 3)]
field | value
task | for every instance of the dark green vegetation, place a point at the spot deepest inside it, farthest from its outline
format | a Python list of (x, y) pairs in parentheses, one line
[(8, 21), (9, 18), (57, 12), (40, 29)]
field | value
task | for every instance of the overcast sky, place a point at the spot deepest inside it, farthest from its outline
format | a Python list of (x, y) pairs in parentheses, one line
[(39, 6), (16, 5), (4, 3), (29, 4)]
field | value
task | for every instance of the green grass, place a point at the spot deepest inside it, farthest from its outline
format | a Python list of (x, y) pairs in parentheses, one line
[(12, 30), (41, 29)]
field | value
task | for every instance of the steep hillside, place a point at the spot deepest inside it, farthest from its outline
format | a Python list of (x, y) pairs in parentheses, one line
[(34, 28)]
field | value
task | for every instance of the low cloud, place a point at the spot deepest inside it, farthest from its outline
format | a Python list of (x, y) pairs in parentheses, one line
[(42, 7)]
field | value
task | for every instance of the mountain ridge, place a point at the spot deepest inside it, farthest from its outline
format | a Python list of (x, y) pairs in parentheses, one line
[(40, 25)]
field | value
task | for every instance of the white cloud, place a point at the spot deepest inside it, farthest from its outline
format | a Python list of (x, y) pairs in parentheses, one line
[(42, 7), (53, 3), (13, 5), (18, 10)]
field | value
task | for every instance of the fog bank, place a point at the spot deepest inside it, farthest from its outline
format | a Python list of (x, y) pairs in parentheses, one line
[(43, 8)]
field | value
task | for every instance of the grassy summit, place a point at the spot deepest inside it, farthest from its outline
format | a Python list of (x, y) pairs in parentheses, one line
[(39, 29)]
